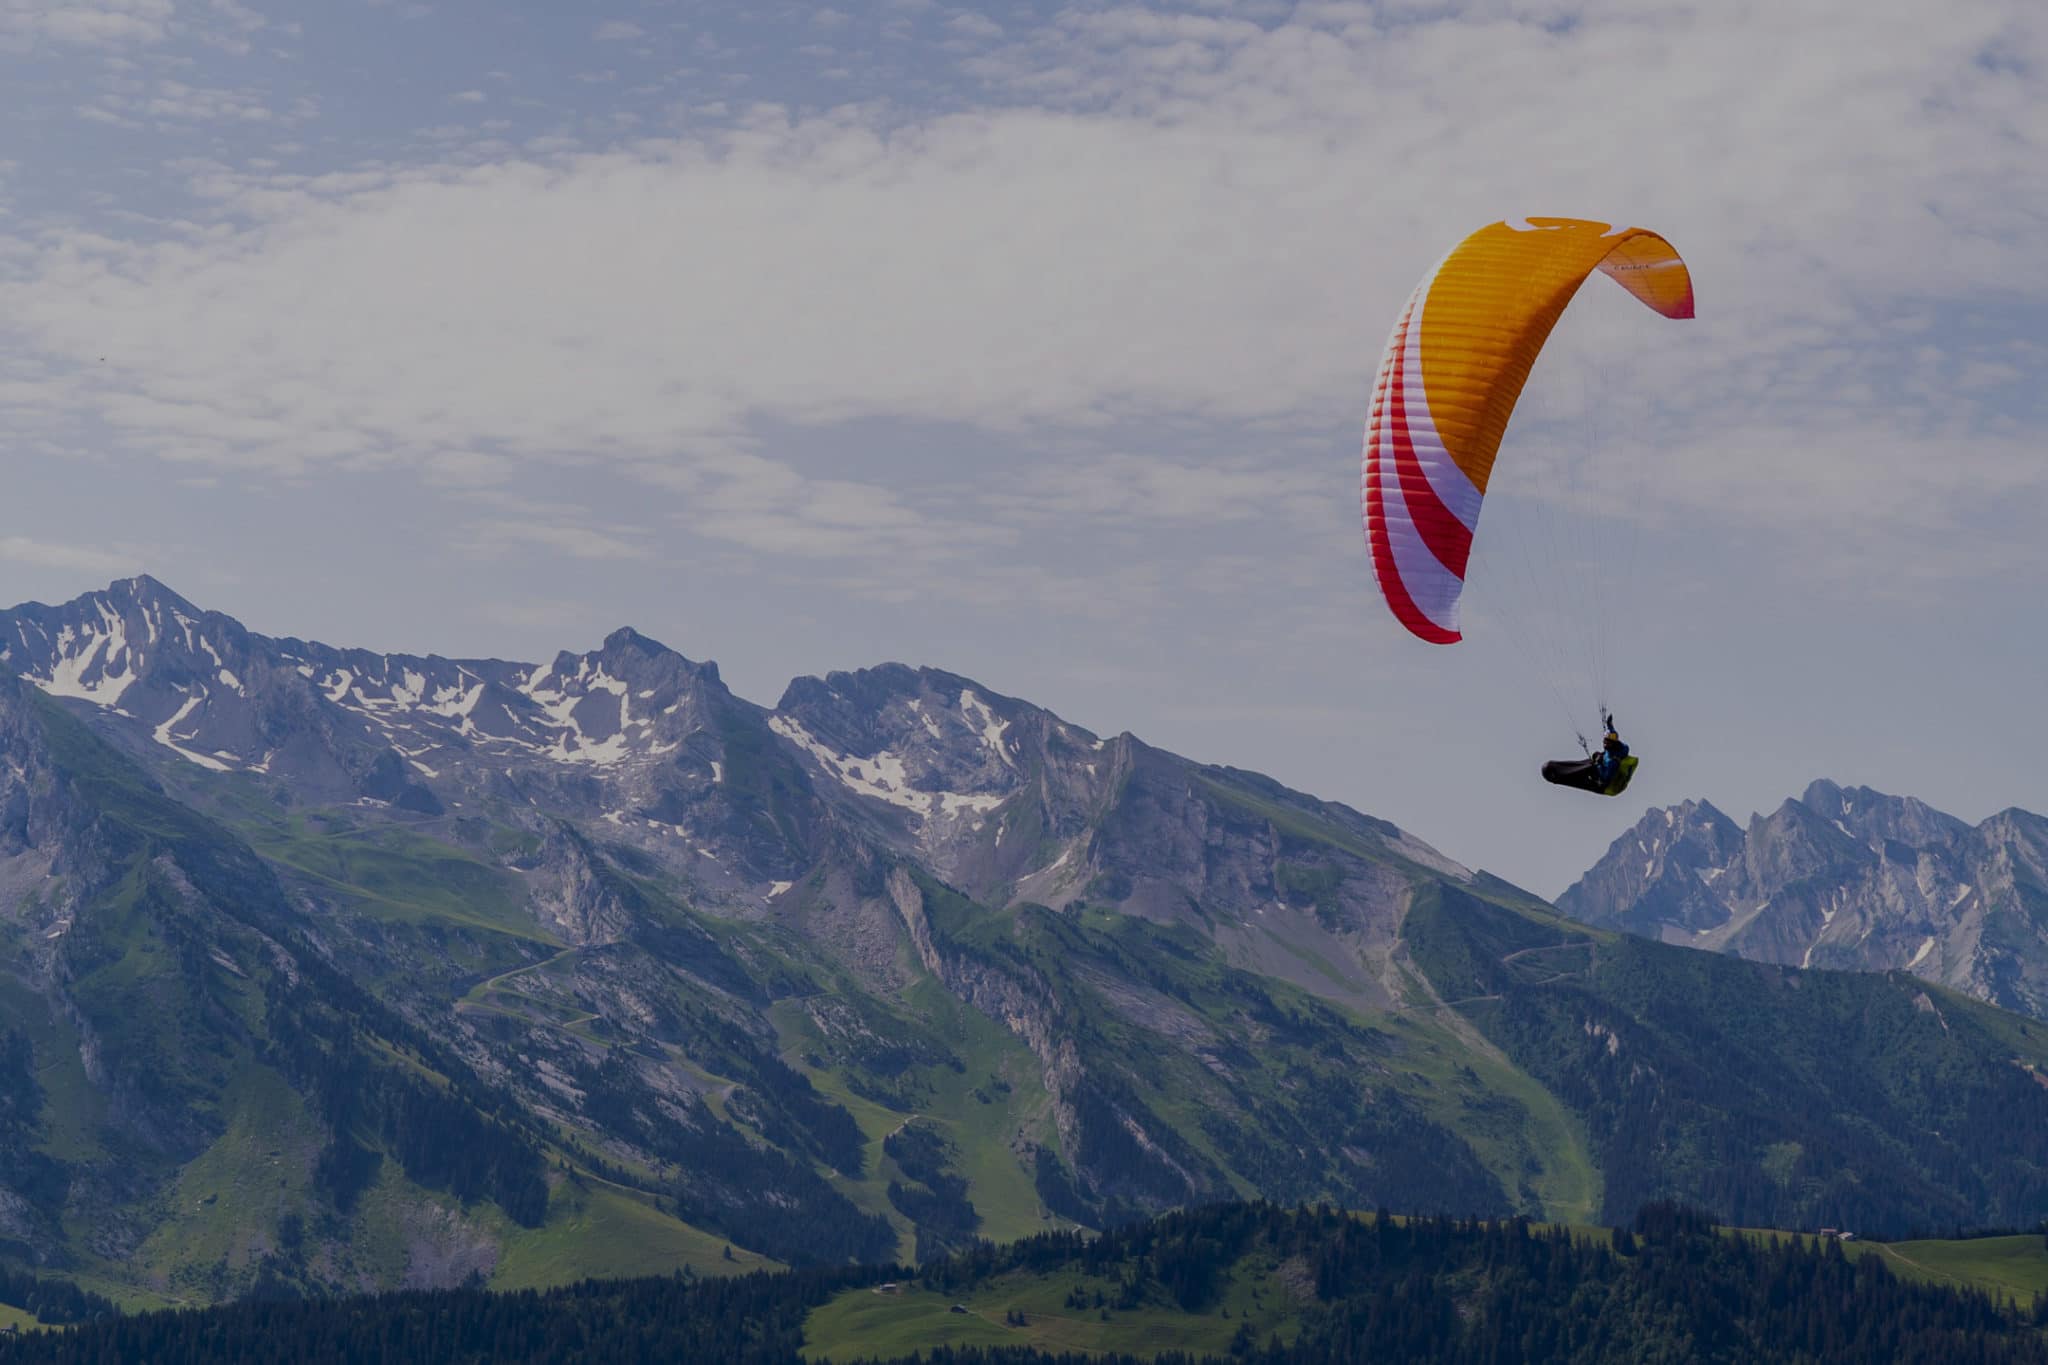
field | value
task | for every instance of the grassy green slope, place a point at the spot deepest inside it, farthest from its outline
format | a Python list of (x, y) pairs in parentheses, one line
[(1246, 1084), (874, 1323), (1771, 1096), (1520, 1131), (2014, 1268), (397, 873), (167, 972), (947, 1065), (220, 1214), (597, 1230), (1266, 1295), (1533, 1143)]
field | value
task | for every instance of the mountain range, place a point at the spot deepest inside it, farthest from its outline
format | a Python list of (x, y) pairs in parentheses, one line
[(326, 969), (1840, 877)]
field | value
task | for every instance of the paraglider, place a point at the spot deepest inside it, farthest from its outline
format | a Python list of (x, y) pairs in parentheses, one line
[(1606, 773), (1453, 369)]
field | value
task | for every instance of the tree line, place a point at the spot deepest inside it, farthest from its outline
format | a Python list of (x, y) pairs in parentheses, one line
[(1671, 1286)]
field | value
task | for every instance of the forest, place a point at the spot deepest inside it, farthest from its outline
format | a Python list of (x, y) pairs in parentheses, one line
[(1671, 1286)]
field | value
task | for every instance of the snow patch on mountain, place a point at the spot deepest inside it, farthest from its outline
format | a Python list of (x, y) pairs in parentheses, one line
[(881, 776), (84, 666), (164, 736), (978, 713)]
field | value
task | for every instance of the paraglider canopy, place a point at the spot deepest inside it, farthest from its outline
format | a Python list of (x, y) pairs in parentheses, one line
[(1453, 369)]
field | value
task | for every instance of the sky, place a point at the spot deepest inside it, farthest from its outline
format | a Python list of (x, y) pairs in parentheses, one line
[(1033, 342)]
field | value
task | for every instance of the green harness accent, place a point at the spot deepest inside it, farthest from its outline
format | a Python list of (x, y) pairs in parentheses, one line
[(1618, 784)]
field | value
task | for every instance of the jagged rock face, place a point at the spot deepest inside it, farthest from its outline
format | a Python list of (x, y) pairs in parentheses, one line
[(1015, 806), (1661, 872), (643, 746), (1840, 877), (632, 733), (977, 784), (36, 864), (1869, 817), (226, 699)]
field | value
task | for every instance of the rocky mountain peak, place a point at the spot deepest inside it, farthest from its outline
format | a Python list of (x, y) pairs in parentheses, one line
[(642, 747), (139, 650), (627, 649), (950, 721), (340, 723), (145, 589), (1840, 877), (941, 749), (1689, 822), (1796, 838), (2017, 826), (625, 638), (645, 676), (1664, 869), (1869, 816)]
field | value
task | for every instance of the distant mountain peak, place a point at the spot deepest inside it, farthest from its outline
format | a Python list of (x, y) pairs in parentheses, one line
[(1001, 797), (144, 587), (1867, 815), (1823, 789), (626, 640), (1685, 815), (1840, 876), (863, 711), (875, 685), (337, 722)]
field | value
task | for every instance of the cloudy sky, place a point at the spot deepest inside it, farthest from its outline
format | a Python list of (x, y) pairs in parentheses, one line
[(1033, 342)]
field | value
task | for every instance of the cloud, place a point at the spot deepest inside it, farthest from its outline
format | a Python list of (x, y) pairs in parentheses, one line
[(84, 23), (1126, 488), (71, 557), (741, 500), (508, 536), (230, 24), (527, 614), (974, 28), (177, 101), (174, 99), (1204, 213), (618, 31), (113, 24)]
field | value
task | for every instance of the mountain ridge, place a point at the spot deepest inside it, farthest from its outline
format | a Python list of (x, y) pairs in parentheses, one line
[(898, 963), (1840, 876), (405, 729)]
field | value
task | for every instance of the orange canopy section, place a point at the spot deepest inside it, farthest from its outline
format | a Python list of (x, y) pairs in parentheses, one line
[(1454, 367)]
